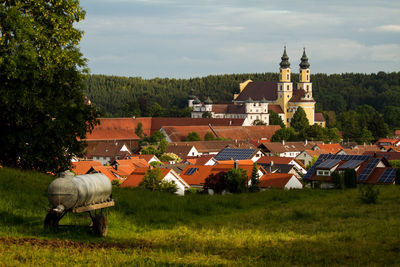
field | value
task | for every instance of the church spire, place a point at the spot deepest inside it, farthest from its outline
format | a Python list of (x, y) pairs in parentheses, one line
[(285, 60), (304, 60)]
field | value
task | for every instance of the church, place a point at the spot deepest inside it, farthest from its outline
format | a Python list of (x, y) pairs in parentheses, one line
[(256, 99)]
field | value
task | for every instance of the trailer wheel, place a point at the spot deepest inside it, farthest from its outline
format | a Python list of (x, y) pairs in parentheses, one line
[(100, 225), (51, 220)]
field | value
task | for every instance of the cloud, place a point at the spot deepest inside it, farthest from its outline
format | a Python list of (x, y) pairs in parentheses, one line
[(388, 28)]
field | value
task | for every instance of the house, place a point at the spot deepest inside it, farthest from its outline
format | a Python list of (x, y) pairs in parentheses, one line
[(106, 151), (214, 146), (195, 175), (282, 164), (239, 154), (182, 150), (388, 142), (280, 180), (369, 169), (285, 149), (256, 98), (201, 160), (136, 177), (148, 158), (307, 156), (328, 148), (82, 167), (387, 155)]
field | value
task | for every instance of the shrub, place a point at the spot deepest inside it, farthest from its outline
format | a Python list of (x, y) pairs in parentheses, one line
[(236, 180), (209, 136), (153, 180), (255, 183), (368, 194), (191, 191), (337, 180), (116, 182), (216, 182)]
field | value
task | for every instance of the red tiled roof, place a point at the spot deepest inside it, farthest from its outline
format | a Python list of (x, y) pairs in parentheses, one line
[(105, 149), (230, 108), (275, 180), (199, 160), (135, 178), (330, 148), (82, 167), (246, 132), (182, 150), (107, 171), (275, 108), (387, 140), (387, 155), (319, 117), (158, 122), (276, 160), (259, 90), (179, 133)]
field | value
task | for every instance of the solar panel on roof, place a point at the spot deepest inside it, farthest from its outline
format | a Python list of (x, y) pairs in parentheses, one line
[(387, 176), (190, 171), (235, 154), (312, 169), (367, 170), (329, 163), (351, 164)]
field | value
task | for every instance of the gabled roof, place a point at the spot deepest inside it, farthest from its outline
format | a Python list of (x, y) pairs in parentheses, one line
[(235, 154), (387, 155), (199, 160), (230, 108), (298, 96), (259, 90), (387, 140), (135, 178), (277, 147), (330, 148), (182, 150), (134, 162), (179, 133), (275, 180), (214, 146), (82, 167), (178, 168), (107, 171), (105, 149)]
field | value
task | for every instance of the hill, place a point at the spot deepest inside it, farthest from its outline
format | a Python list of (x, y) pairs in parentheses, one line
[(307, 227)]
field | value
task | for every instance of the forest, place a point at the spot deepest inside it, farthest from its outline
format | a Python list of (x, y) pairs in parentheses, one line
[(350, 100)]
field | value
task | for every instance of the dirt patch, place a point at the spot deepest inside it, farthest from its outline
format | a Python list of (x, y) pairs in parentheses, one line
[(58, 243)]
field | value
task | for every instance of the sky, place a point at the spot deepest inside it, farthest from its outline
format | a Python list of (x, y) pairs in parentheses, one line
[(186, 38)]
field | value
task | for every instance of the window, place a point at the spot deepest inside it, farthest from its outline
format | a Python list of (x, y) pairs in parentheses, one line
[(288, 96), (287, 87), (307, 77), (287, 76), (308, 87)]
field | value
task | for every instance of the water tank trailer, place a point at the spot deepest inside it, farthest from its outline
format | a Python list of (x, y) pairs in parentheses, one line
[(81, 193)]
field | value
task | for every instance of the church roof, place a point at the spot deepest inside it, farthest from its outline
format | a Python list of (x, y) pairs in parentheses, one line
[(259, 90), (275, 108), (285, 60), (298, 96), (319, 117), (304, 61), (228, 109)]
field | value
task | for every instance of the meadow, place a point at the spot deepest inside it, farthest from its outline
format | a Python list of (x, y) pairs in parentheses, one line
[(275, 228)]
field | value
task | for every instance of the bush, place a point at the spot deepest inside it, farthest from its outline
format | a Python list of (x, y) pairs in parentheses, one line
[(369, 194), (191, 190), (216, 182), (236, 180), (337, 179), (116, 182)]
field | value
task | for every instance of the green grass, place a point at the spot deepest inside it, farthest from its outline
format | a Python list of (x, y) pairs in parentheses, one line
[(276, 227)]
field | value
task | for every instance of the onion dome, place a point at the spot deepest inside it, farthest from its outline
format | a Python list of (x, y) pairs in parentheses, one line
[(304, 61), (285, 60), (208, 101)]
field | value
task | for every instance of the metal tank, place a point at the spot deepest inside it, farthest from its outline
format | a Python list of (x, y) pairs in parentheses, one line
[(76, 191)]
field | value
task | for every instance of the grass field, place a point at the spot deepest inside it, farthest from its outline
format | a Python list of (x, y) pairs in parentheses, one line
[(274, 228)]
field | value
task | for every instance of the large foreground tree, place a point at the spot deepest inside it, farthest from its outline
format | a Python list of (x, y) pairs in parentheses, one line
[(43, 113)]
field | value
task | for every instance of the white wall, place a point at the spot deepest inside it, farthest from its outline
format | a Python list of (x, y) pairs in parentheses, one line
[(294, 183)]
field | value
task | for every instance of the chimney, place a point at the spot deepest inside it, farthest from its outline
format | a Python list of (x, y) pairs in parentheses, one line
[(283, 142), (306, 142), (236, 164)]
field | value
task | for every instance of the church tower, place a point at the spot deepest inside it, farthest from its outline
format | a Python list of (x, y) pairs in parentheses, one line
[(304, 79), (285, 86)]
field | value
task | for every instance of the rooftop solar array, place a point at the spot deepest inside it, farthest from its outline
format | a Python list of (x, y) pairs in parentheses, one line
[(387, 176), (351, 164), (190, 171), (323, 157), (367, 170), (235, 154), (329, 163)]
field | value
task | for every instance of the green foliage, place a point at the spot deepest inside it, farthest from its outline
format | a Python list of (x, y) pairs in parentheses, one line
[(42, 106), (206, 114), (166, 157), (193, 136), (368, 193), (153, 180), (209, 136), (162, 147), (116, 182), (395, 163), (286, 134), (299, 121), (366, 136), (149, 150), (259, 122), (155, 164), (337, 180), (350, 178), (255, 183), (139, 130), (275, 119), (314, 159), (236, 180)]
